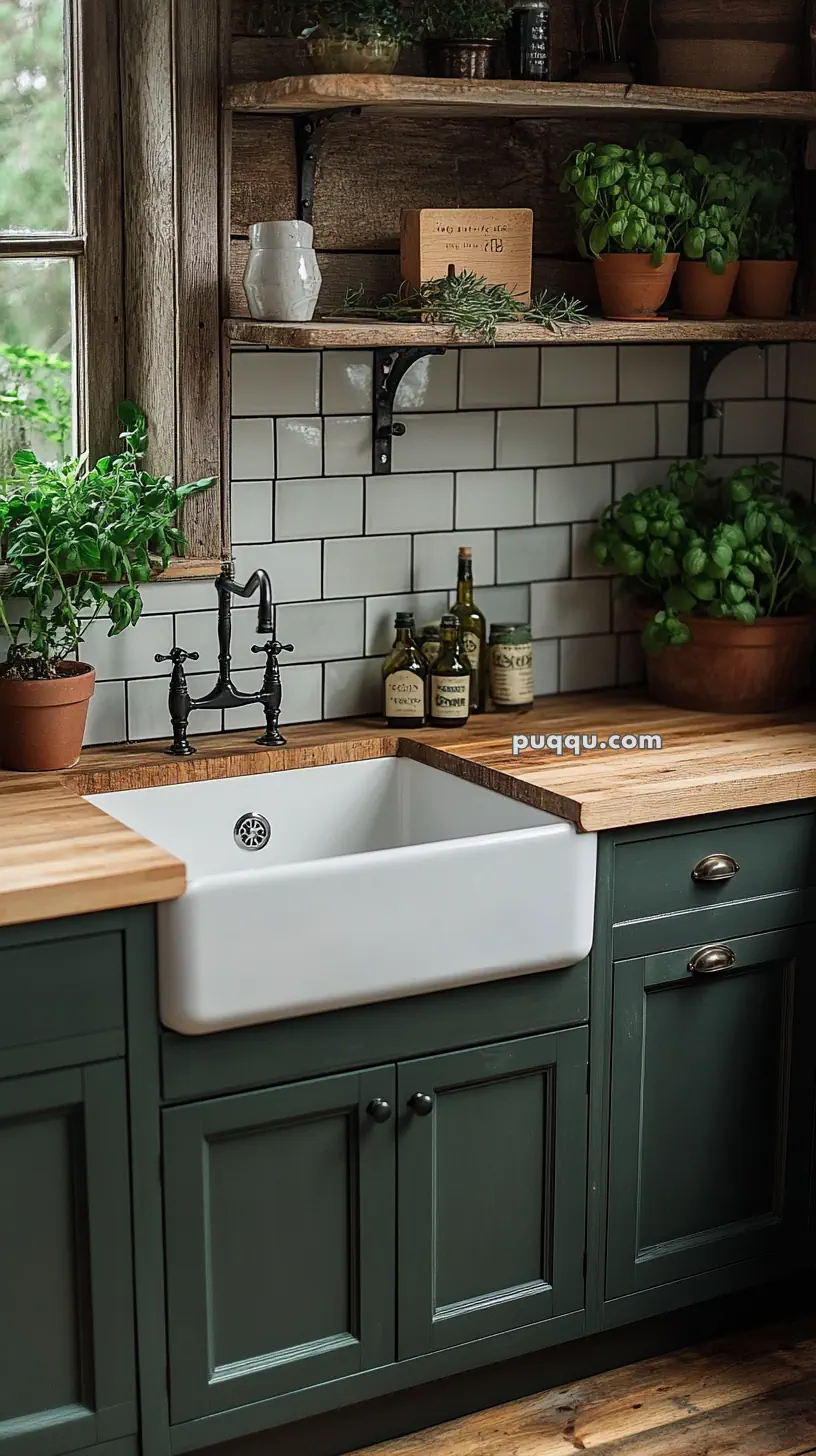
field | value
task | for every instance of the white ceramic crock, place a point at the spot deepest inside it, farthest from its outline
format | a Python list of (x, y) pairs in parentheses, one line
[(282, 278)]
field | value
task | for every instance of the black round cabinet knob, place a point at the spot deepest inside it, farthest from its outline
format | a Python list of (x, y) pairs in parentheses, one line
[(421, 1104), (379, 1110)]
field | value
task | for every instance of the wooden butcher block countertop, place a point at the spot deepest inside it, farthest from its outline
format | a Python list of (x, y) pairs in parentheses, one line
[(60, 856)]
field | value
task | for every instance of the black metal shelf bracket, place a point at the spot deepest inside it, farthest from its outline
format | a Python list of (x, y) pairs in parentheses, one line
[(704, 360), (390, 368), (310, 131)]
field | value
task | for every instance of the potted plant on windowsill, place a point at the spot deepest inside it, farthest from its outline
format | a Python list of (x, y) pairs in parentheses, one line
[(632, 203), (724, 573), (361, 37), (66, 530), (462, 37)]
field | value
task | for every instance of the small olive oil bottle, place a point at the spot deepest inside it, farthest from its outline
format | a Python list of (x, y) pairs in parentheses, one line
[(450, 679), (473, 628), (405, 673)]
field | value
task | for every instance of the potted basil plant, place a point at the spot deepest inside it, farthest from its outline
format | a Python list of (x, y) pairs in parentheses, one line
[(462, 37), (66, 530), (631, 206), (363, 37), (724, 576), (708, 272)]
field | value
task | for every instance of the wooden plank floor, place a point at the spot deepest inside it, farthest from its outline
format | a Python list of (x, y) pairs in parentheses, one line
[(752, 1394)]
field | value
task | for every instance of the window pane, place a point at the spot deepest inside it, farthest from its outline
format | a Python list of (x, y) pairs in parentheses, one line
[(33, 190), (35, 357)]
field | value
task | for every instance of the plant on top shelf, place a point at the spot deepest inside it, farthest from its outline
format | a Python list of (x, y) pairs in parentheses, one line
[(723, 195), (66, 530), (632, 206), (467, 303), (360, 36), (769, 245), (462, 37), (718, 565)]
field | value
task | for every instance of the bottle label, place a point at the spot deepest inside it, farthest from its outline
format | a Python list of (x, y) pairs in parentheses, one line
[(404, 695), (511, 672), (450, 696), (472, 649)]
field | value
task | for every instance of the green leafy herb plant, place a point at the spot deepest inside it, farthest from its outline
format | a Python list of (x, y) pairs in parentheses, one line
[(465, 19), (68, 529), (770, 232), (723, 193), (362, 21), (469, 304), (628, 199), (740, 547)]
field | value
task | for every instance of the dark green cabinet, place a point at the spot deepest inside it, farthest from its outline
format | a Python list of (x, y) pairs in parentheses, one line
[(711, 1116), (67, 1368), (280, 1240), (492, 1179)]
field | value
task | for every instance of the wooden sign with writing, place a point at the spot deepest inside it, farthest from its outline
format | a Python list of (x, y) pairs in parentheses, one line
[(496, 243)]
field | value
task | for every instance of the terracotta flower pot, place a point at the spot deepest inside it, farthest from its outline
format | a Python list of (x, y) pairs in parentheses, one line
[(42, 724), (765, 288), (462, 60), (630, 287), (729, 667), (703, 294)]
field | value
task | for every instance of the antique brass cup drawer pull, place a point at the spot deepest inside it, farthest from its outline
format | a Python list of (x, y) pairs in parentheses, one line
[(715, 869), (711, 959)]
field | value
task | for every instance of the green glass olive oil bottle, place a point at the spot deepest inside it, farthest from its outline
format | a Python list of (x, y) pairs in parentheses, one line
[(450, 679), (473, 629), (404, 677)]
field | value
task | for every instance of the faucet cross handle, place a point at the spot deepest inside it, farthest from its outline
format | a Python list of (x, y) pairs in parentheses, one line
[(274, 648), (177, 656)]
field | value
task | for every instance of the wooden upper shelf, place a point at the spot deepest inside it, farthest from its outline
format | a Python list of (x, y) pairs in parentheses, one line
[(423, 96), (337, 334)]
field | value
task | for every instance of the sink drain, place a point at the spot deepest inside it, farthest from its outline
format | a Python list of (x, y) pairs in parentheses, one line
[(252, 832)]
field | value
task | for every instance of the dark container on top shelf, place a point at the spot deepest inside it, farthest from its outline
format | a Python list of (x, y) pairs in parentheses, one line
[(529, 41)]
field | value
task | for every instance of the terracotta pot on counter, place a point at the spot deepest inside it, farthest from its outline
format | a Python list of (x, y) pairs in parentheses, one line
[(730, 667), (765, 288), (704, 294), (630, 286), (42, 723)]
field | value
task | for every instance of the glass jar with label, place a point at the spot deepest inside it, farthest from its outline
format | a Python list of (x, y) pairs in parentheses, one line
[(511, 666), (472, 630), (405, 673), (450, 679)]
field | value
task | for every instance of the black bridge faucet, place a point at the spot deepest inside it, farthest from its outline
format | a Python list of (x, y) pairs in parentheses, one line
[(225, 695)]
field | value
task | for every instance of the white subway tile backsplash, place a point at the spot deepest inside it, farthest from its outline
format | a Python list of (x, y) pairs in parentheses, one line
[(802, 372), (503, 603), (740, 375), (569, 608), (276, 384), (436, 557), (198, 632), (634, 475), (494, 498), (106, 714), (801, 433), (293, 566), (149, 714), (353, 688), (545, 668), (495, 378), (445, 442), (133, 652), (177, 596), (798, 475), (588, 662), (535, 437), (251, 510), (302, 697), (348, 444), (299, 447), (430, 384), (654, 372), (583, 562), (348, 380), (616, 432), (533, 553), (579, 374), (381, 611), (366, 566), (777, 364), (253, 449), (672, 430), (409, 503), (754, 428), (572, 493), (333, 506), (321, 631)]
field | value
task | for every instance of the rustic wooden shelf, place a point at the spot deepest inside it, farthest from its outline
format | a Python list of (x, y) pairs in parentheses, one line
[(424, 96), (364, 335)]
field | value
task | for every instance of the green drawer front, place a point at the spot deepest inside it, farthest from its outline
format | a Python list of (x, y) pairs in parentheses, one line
[(55, 992), (653, 876)]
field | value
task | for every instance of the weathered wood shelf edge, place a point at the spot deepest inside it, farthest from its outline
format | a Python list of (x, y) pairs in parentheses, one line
[(375, 335), (424, 96)]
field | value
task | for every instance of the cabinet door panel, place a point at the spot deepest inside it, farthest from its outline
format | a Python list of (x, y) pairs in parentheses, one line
[(280, 1240), (492, 1190), (67, 1371), (711, 1101)]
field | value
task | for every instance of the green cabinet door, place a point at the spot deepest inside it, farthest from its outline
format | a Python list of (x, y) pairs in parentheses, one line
[(711, 1115), (280, 1234), (67, 1368), (492, 1189)]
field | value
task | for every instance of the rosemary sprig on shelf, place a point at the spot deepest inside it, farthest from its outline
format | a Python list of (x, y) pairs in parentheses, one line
[(469, 304)]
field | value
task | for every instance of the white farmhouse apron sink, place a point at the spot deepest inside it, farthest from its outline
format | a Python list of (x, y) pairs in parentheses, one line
[(379, 879)]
